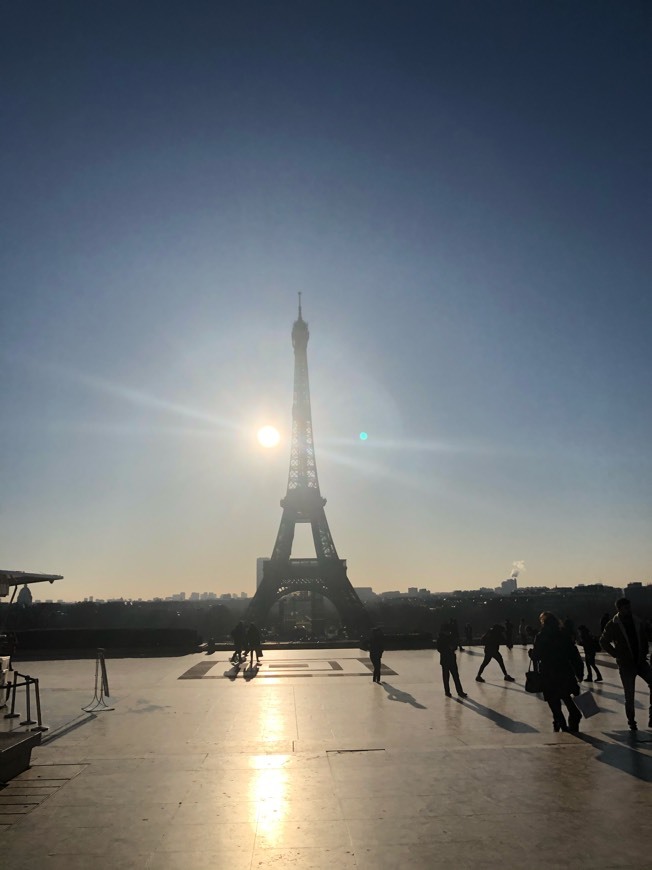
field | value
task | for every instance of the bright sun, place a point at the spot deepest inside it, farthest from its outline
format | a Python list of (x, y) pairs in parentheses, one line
[(268, 436)]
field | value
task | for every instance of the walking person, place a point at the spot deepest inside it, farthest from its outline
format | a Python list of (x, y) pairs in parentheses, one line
[(522, 632), (254, 643), (509, 634), (492, 640), (557, 657), (446, 647), (468, 634), (239, 637), (624, 637), (376, 650), (590, 644)]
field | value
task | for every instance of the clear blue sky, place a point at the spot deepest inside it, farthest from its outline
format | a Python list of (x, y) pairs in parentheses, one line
[(462, 192)]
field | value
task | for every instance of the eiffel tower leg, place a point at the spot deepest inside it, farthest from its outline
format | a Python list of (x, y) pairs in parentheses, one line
[(309, 575)]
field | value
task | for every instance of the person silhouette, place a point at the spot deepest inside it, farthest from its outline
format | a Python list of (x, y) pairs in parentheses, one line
[(556, 654), (509, 634), (254, 643), (376, 650), (492, 640), (590, 645), (238, 634), (446, 647), (624, 637)]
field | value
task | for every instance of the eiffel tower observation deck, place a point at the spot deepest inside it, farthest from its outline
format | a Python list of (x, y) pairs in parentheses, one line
[(326, 574)]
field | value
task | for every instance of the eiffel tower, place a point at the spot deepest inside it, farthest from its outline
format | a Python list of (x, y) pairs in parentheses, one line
[(326, 574)]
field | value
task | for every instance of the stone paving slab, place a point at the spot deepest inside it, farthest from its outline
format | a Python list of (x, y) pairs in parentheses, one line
[(202, 765)]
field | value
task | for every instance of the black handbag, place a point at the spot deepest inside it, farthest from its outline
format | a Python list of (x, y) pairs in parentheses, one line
[(533, 681)]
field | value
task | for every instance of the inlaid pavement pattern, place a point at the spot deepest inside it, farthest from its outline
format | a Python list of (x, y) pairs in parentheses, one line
[(269, 769)]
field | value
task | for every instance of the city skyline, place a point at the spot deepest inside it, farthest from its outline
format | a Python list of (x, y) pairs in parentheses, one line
[(461, 193)]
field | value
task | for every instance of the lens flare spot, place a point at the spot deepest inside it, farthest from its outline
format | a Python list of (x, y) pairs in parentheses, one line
[(363, 436)]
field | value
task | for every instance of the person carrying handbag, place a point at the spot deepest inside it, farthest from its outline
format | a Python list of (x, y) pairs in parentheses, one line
[(556, 656)]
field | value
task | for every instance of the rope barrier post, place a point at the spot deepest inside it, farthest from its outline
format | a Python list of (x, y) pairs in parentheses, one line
[(105, 679), (98, 704), (6, 690), (28, 720), (39, 719)]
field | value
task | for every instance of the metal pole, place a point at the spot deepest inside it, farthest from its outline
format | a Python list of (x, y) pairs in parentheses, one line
[(29, 720), (97, 674), (39, 719), (13, 714)]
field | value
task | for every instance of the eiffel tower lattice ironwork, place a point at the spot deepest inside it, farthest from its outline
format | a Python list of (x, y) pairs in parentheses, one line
[(326, 574)]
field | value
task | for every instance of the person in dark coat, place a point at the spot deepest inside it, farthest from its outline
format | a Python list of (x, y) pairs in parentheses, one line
[(376, 650), (468, 634), (522, 632), (253, 643), (624, 637), (557, 658), (492, 640), (446, 647), (604, 620), (590, 644)]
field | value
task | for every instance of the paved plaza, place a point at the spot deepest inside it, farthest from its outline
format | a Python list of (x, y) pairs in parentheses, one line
[(307, 764)]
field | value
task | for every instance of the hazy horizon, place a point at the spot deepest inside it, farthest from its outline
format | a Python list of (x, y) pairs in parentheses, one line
[(462, 193)]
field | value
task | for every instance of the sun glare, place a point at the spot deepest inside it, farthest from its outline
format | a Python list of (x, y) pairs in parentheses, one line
[(268, 436)]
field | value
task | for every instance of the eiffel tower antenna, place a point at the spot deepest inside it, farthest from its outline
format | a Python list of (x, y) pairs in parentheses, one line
[(324, 575)]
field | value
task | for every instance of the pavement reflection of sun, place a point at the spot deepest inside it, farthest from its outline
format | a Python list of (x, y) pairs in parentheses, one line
[(269, 790)]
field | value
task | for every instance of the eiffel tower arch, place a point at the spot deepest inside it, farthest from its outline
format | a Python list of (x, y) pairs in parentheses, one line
[(326, 574)]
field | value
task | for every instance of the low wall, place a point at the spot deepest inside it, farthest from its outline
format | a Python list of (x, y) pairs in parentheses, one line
[(144, 641)]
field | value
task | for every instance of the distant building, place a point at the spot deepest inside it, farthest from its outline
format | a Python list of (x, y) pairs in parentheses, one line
[(24, 597), (260, 566), (507, 587), (365, 593), (638, 593)]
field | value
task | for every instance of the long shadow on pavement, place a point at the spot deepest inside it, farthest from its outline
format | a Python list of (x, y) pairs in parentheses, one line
[(394, 694), (599, 692), (625, 758), (512, 725)]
